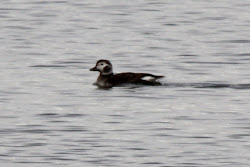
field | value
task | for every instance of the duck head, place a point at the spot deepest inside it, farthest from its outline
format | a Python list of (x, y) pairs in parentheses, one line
[(103, 66)]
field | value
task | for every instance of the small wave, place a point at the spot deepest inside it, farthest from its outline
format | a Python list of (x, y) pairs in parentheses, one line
[(48, 66), (208, 85), (236, 41)]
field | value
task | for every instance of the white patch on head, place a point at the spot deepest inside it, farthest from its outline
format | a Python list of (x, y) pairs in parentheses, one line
[(101, 65)]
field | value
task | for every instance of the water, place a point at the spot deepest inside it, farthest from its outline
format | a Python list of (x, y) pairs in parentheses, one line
[(52, 115)]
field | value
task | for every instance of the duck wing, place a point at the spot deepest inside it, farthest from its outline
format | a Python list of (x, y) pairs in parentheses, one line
[(136, 78)]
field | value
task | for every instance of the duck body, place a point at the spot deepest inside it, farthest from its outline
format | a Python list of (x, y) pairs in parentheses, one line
[(108, 79)]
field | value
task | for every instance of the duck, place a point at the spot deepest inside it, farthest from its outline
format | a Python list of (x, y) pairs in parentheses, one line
[(108, 79)]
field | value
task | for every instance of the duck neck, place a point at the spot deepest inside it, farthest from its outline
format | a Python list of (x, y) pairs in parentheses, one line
[(106, 74)]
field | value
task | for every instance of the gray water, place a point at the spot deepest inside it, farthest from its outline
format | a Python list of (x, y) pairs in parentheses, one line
[(52, 115)]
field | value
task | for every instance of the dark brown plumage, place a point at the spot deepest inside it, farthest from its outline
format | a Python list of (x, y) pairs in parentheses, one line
[(108, 79)]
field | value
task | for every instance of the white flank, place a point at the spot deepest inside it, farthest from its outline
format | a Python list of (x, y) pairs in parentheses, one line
[(148, 78)]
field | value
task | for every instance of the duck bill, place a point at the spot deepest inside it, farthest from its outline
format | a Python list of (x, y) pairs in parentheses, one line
[(93, 69)]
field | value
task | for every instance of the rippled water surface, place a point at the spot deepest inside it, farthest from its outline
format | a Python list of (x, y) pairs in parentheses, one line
[(52, 115)]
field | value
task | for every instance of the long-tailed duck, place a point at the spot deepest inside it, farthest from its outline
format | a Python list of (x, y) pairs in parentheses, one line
[(108, 79)]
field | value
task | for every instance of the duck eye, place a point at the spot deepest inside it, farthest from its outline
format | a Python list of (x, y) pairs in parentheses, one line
[(101, 64)]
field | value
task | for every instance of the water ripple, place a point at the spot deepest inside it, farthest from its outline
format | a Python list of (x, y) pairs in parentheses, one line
[(208, 85)]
